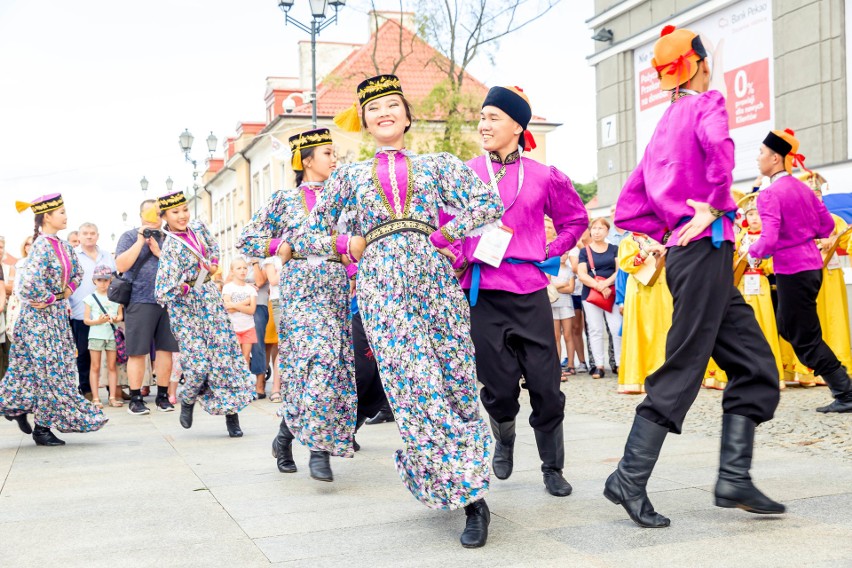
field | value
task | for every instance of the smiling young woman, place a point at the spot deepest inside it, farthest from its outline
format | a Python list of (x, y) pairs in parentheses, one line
[(415, 316), (317, 373), (213, 366), (42, 376)]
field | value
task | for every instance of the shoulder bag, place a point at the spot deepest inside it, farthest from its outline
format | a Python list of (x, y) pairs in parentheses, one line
[(120, 288), (596, 297)]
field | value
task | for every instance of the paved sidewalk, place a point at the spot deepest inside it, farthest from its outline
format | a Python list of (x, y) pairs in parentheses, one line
[(145, 492)]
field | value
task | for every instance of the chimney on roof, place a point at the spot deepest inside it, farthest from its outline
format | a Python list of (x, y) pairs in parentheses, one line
[(379, 17), (329, 56)]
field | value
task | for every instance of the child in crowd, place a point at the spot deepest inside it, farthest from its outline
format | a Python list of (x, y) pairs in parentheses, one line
[(240, 302), (101, 314)]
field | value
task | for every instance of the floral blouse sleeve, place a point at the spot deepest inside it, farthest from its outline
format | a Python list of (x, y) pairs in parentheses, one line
[(256, 240), (76, 276), (170, 276), (38, 280), (209, 242), (473, 202), (335, 210)]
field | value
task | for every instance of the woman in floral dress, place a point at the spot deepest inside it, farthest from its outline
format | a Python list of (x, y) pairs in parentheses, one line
[(416, 317), (214, 369), (42, 376), (316, 367)]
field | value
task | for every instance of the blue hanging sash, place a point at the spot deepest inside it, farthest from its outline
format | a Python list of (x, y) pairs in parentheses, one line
[(549, 266), (717, 229)]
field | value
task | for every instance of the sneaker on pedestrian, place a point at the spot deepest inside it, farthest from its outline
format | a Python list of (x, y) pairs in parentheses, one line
[(163, 404), (565, 362), (136, 406), (582, 367)]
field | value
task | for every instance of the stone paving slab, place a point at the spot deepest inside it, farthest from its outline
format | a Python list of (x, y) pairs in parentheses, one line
[(145, 492)]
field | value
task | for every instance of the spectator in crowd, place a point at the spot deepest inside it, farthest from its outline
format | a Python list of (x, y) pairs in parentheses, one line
[(26, 247), (89, 255), (13, 284), (138, 255), (258, 367), (74, 238), (563, 307), (272, 268), (578, 322), (101, 314), (240, 303), (598, 260), (615, 235), (4, 345)]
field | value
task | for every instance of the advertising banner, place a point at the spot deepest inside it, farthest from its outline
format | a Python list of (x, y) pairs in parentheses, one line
[(738, 40)]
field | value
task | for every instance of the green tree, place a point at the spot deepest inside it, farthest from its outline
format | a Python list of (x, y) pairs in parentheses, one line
[(587, 191), (460, 30)]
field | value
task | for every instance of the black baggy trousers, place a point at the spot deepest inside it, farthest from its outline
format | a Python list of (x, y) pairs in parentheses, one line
[(513, 336), (710, 318)]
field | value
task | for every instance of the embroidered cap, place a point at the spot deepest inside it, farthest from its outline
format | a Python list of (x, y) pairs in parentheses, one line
[(785, 143), (368, 90), (676, 56), (43, 204), (171, 201), (815, 181), (514, 102), (309, 139)]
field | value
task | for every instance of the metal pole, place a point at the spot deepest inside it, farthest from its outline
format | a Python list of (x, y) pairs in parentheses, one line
[(314, 72)]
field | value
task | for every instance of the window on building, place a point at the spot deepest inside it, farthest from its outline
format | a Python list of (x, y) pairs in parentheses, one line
[(267, 191)]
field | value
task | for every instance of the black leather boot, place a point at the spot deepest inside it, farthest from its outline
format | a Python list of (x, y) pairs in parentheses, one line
[(23, 423), (504, 448), (42, 436), (383, 415), (626, 486), (320, 466), (734, 487), (358, 423), (186, 414), (551, 450), (475, 532), (282, 449), (841, 388), (232, 421)]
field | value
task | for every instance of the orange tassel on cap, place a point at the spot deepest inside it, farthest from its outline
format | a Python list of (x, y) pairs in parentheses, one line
[(22, 206), (348, 119)]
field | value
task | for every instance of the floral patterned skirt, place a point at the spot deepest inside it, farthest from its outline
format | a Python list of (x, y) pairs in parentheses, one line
[(316, 358), (42, 377), (214, 369), (418, 323)]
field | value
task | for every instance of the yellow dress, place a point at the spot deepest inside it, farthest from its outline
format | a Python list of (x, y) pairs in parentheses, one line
[(833, 312), (647, 319), (764, 312)]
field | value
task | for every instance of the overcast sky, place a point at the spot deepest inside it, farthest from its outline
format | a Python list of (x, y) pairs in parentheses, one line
[(96, 92)]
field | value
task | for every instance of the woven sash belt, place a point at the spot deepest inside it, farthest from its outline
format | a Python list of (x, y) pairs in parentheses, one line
[(335, 258), (398, 226)]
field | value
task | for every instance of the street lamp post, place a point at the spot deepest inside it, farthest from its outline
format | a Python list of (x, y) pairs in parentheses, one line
[(318, 24), (185, 140), (143, 183)]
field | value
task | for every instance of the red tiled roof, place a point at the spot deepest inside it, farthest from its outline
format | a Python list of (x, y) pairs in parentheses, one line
[(419, 71)]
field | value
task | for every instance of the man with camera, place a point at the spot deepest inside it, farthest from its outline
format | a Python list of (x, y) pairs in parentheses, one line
[(137, 257)]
